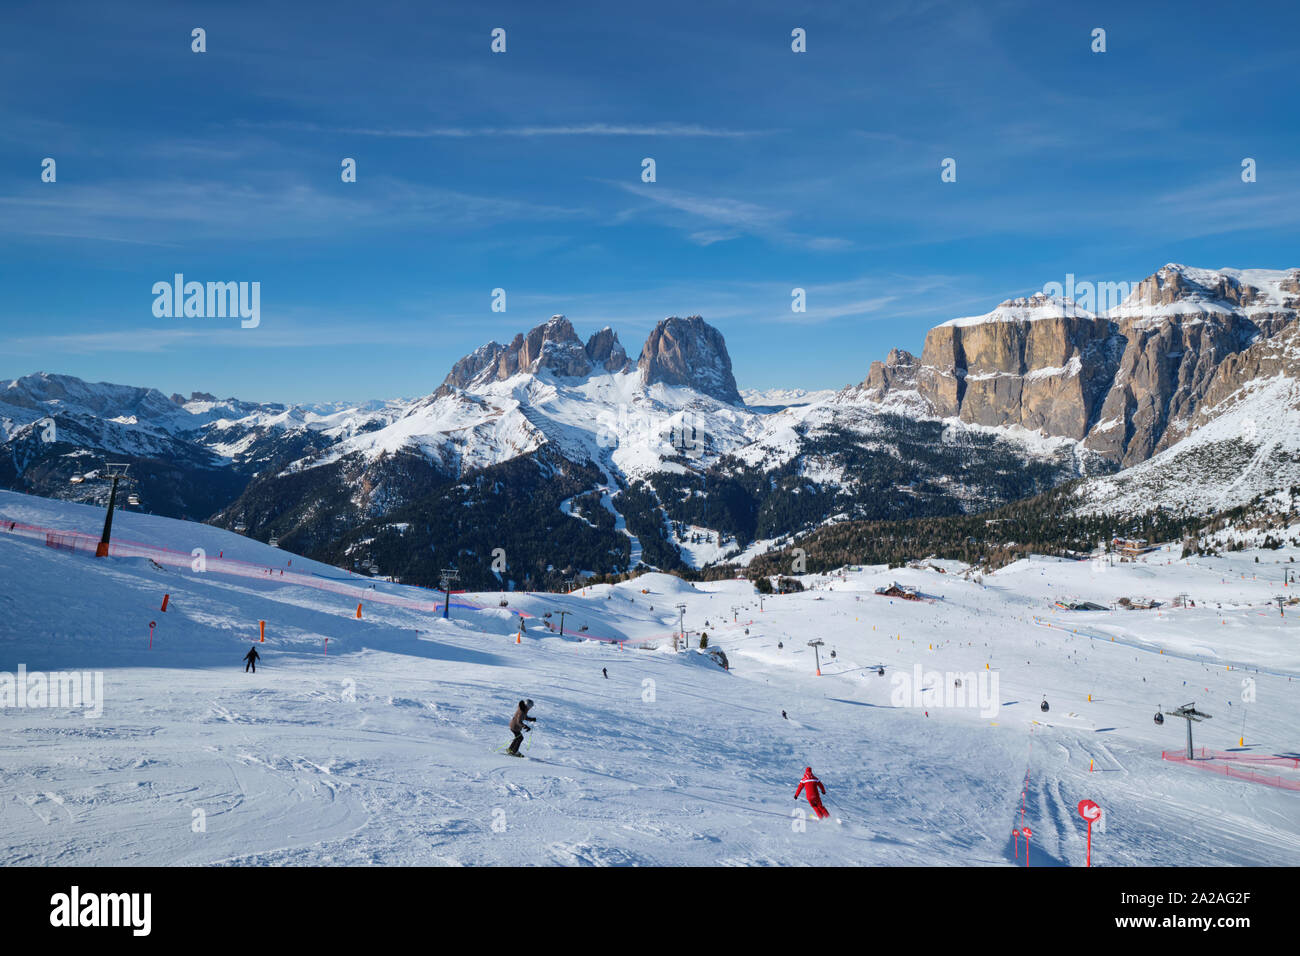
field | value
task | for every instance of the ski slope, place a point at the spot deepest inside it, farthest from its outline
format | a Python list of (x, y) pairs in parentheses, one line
[(384, 747)]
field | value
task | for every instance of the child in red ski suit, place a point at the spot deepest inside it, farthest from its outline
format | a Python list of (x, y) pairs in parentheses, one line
[(814, 798)]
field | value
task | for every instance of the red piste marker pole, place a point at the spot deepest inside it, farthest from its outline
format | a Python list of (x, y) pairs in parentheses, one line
[(166, 598), (1091, 813), (1028, 833)]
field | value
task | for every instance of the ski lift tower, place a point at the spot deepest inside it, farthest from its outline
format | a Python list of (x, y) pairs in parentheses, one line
[(816, 655), (115, 472), (735, 614), (681, 625), (1189, 713), (1281, 600), (449, 577)]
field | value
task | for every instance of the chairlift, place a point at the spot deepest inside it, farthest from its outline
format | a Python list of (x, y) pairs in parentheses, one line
[(240, 527), (77, 479), (133, 500), (274, 542)]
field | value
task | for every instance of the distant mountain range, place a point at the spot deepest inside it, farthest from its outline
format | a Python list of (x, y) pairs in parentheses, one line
[(570, 456)]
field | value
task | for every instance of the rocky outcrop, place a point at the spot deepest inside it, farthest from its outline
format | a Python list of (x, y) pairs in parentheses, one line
[(895, 374), (180, 399), (605, 351), (1038, 362), (1126, 383), (552, 346), (472, 365), (1274, 357), (691, 353), (1163, 374), (1179, 326), (686, 352)]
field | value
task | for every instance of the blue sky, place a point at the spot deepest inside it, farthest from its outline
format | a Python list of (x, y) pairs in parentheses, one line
[(522, 171)]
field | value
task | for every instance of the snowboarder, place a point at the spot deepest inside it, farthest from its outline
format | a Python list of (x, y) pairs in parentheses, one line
[(814, 797), (605, 671), (785, 715), (252, 657), (1043, 706), (519, 726)]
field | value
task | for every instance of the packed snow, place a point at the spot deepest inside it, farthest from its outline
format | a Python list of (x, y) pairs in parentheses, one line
[(384, 744)]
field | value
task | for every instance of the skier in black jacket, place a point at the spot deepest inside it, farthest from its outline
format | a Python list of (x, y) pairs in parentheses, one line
[(252, 657), (519, 725)]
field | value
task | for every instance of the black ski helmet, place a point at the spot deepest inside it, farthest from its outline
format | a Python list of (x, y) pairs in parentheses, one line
[(529, 703), (522, 705)]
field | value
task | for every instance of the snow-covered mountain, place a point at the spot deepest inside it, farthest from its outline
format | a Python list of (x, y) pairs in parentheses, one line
[(662, 459), (1124, 382), (1243, 440)]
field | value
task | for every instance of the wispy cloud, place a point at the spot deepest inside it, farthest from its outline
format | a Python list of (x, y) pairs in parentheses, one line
[(164, 213), (572, 129), (150, 340), (726, 218)]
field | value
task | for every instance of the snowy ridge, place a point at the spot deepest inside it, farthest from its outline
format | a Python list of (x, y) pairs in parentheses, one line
[(1026, 309)]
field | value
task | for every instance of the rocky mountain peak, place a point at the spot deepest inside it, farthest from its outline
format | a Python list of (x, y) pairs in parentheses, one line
[(1177, 289), (605, 351), (689, 352), (553, 345)]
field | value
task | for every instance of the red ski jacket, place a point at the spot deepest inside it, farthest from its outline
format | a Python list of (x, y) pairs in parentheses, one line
[(812, 783)]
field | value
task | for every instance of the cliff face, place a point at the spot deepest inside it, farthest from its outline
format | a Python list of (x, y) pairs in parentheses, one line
[(1239, 374), (689, 352), (1126, 383), (1179, 326), (1039, 362), (1164, 372)]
